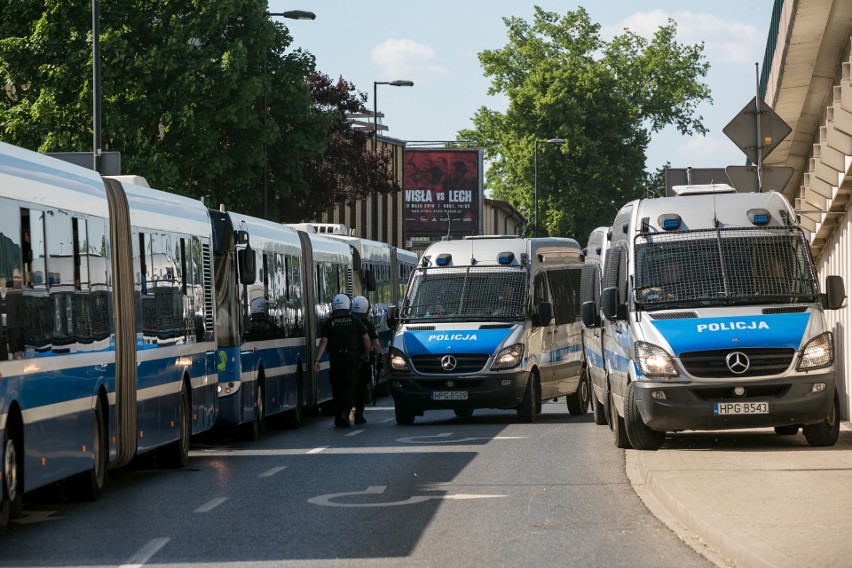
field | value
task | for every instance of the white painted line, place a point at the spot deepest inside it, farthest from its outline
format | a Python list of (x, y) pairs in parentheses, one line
[(317, 450), (145, 553), (355, 432), (328, 499), (210, 505), (273, 471), (388, 421)]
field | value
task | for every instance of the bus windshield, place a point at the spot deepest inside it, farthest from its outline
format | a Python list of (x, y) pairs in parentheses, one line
[(724, 267), (467, 293)]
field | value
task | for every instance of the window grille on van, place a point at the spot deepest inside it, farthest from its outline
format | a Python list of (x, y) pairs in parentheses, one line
[(467, 293), (724, 266)]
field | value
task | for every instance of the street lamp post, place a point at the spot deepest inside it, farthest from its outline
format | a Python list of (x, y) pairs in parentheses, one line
[(290, 15), (375, 203), (96, 87), (552, 141)]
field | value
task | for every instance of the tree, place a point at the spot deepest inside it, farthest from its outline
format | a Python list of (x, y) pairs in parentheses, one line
[(347, 171), (196, 96), (605, 99)]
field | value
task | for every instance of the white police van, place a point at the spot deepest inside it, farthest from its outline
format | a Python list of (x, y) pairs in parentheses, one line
[(490, 322), (712, 303), (594, 258)]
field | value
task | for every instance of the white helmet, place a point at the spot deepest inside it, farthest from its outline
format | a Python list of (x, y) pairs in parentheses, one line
[(341, 302), (360, 306)]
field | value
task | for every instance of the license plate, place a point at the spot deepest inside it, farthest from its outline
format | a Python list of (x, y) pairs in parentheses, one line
[(721, 408), (449, 395)]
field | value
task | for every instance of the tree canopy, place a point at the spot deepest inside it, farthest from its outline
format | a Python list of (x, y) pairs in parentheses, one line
[(196, 95), (604, 99)]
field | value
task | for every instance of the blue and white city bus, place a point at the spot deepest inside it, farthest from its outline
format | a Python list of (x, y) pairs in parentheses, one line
[(106, 326)]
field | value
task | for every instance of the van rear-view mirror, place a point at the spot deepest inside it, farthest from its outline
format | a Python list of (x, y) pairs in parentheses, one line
[(589, 314), (544, 313), (835, 292)]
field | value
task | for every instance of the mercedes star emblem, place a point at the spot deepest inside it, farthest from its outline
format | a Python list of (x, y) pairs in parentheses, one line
[(448, 362), (737, 362)]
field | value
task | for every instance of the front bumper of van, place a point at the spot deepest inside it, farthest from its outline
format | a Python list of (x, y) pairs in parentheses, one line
[(422, 392), (702, 406)]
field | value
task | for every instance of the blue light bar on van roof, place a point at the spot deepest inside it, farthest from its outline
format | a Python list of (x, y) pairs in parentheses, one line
[(669, 221), (759, 216), (505, 257), (443, 259)]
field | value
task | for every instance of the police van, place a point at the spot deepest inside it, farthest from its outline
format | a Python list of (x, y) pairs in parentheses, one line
[(594, 258), (490, 322), (714, 319)]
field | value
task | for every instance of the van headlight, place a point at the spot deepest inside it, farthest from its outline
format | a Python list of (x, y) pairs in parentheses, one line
[(398, 362), (508, 357), (818, 353), (654, 361)]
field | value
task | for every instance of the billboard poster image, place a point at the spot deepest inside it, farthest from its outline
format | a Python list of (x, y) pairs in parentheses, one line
[(443, 192)]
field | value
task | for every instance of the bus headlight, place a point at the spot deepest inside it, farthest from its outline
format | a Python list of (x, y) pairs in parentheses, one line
[(508, 357), (398, 362), (654, 361), (818, 353)]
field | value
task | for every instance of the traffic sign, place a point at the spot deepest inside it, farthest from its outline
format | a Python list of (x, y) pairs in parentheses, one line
[(743, 130), (693, 176), (744, 178)]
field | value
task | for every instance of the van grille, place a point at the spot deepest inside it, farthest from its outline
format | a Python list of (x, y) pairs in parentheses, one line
[(762, 362), (465, 363)]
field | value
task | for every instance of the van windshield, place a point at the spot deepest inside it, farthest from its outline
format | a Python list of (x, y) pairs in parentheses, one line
[(724, 267), (467, 294)]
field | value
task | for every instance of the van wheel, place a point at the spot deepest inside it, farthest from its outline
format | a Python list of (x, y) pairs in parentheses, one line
[(616, 424), (640, 436), (463, 412), (826, 432), (527, 409), (578, 403), (88, 485), (404, 416)]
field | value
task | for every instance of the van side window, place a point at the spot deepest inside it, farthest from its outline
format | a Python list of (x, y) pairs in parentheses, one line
[(539, 289), (590, 283), (565, 286), (613, 262)]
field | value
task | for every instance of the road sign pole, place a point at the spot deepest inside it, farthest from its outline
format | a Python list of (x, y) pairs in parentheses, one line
[(759, 144)]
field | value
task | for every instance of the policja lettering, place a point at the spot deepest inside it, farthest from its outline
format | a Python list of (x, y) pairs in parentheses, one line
[(345, 337), (731, 325)]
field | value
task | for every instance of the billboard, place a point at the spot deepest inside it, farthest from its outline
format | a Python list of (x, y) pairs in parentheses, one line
[(443, 193)]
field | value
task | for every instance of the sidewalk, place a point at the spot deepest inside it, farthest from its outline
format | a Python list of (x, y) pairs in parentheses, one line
[(752, 498)]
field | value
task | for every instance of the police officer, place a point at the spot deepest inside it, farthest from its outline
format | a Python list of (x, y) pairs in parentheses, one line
[(347, 342), (360, 308)]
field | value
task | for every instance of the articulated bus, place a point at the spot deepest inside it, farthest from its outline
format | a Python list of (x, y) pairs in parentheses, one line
[(381, 275), (106, 326), (274, 287)]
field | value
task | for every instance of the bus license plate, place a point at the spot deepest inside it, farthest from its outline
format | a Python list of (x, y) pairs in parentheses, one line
[(449, 395), (721, 408)]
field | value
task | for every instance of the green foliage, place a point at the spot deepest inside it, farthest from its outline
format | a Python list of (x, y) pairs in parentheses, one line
[(605, 99), (195, 95)]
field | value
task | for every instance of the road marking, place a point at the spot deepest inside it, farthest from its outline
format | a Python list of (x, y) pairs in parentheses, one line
[(388, 420), (317, 450), (442, 438), (327, 500), (145, 553), (273, 471), (355, 432), (210, 505)]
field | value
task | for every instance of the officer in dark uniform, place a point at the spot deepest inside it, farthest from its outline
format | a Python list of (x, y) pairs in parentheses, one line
[(348, 343), (360, 308)]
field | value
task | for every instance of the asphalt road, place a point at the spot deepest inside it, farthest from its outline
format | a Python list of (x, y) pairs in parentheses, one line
[(479, 491)]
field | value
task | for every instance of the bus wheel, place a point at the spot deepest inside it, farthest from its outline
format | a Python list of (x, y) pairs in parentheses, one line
[(578, 402), (640, 436), (616, 424), (463, 412), (527, 408), (404, 416), (251, 431), (11, 498), (826, 432), (176, 454), (88, 485)]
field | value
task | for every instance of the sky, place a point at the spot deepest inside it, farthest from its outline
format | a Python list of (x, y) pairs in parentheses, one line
[(435, 44)]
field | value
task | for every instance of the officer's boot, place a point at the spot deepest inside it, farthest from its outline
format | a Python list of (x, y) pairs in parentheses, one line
[(359, 415)]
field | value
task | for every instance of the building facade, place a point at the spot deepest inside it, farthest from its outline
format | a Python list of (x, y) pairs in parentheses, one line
[(806, 80)]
